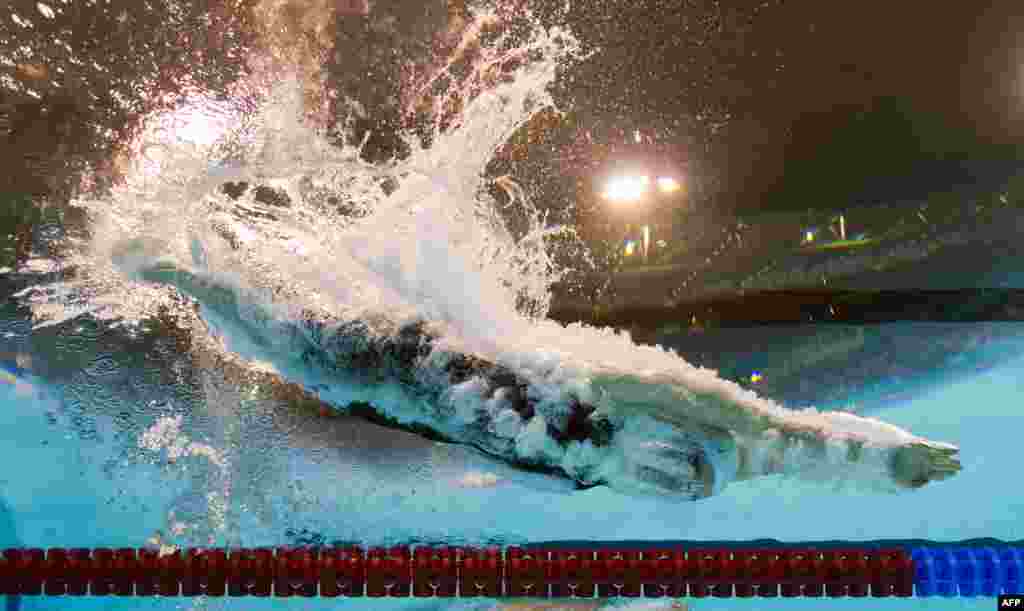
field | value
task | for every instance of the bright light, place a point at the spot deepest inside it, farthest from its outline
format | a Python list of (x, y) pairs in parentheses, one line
[(630, 248), (626, 188), (198, 127), (667, 184), (45, 10), (198, 121)]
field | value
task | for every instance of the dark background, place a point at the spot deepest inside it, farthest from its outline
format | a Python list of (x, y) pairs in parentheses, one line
[(776, 105), (807, 103)]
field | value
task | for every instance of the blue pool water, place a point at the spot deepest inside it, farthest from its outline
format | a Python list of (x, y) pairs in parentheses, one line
[(79, 475)]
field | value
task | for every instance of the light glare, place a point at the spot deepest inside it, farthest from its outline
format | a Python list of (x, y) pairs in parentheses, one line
[(667, 184), (626, 188)]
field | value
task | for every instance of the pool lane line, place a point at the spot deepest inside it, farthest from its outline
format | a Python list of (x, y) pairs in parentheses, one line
[(546, 571)]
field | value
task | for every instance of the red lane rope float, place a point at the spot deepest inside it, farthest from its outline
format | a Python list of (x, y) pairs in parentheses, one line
[(446, 572)]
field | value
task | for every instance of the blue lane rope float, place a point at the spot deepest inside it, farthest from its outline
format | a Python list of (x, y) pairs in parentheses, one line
[(696, 570), (967, 571)]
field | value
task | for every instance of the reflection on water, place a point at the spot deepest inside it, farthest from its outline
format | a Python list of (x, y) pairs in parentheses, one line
[(859, 368)]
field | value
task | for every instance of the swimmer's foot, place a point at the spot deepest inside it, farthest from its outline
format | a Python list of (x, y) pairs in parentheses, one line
[(145, 259), (915, 465)]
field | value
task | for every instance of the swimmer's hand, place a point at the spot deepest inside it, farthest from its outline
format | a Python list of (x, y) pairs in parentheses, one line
[(917, 464)]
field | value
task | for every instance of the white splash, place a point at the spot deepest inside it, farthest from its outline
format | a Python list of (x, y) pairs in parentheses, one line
[(434, 248)]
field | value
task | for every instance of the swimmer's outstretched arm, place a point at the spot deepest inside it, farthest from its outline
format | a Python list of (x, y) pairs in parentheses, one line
[(828, 446)]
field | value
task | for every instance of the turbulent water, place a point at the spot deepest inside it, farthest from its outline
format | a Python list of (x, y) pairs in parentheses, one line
[(400, 287)]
